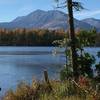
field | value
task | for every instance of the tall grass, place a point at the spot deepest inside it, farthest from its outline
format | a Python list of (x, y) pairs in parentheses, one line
[(40, 91)]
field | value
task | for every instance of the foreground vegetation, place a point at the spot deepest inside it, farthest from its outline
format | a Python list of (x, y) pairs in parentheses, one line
[(55, 90)]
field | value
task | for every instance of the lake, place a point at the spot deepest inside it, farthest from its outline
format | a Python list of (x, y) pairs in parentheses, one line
[(26, 63)]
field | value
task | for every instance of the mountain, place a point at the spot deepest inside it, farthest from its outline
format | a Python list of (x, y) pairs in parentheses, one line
[(94, 22), (52, 19)]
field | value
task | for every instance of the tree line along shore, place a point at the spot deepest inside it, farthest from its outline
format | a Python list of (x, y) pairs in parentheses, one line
[(42, 37)]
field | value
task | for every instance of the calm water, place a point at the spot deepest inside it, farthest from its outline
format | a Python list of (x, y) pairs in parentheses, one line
[(25, 63)]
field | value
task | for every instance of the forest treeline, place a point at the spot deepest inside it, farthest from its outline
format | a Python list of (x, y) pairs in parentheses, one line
[(29, 37), (42, 37)]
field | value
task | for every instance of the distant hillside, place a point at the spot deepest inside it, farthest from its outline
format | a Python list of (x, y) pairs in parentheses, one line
[(94, 22), (52, 19)]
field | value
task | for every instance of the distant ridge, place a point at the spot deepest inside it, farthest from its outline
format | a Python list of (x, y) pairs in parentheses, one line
[(94, 22), (52, 19)]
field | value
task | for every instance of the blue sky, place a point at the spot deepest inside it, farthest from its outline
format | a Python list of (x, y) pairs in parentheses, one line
[(10, 9)]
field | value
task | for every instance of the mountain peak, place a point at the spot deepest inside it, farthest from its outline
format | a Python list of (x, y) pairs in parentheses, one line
[(39, 10), (52, 19), (94, 22), (89, 19)]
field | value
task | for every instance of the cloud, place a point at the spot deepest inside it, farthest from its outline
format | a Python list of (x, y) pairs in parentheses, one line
[(87, 14)]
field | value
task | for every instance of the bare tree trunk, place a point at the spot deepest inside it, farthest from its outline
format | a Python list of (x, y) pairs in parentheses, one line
[(73, 39)]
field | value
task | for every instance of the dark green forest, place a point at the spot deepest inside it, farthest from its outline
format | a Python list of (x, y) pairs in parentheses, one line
[(29, 37), (43, 37)]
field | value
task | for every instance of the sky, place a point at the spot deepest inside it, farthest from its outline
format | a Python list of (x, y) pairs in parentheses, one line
[(10, 9)]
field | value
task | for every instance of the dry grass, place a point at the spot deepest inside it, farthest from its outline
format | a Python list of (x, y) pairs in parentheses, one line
[(41, 91)]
